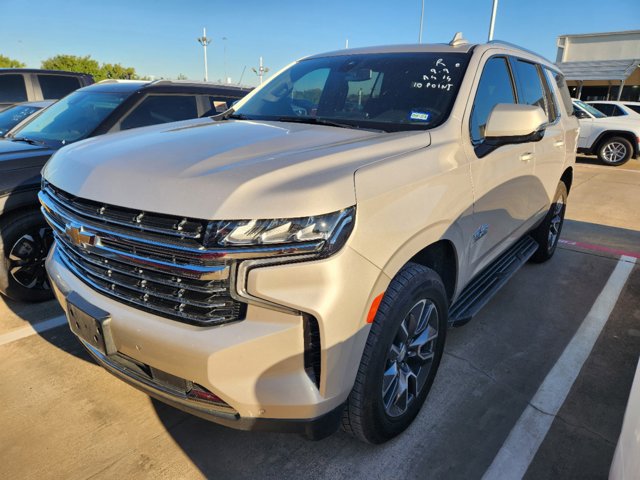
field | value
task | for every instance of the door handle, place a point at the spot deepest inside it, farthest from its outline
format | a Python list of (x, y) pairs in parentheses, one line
[(526, 157), (558, 143)]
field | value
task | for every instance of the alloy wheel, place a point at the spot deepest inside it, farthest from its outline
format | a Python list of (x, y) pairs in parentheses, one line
[(27, 256), (614, 152), (556, 223), (410, 358)]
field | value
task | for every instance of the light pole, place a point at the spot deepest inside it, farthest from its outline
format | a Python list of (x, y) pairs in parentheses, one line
[(260, 71), (224, 46), (421, 21), (494, 10), (204, 41)]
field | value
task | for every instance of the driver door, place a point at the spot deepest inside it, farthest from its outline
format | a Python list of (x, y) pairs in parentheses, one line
[(501, 178)]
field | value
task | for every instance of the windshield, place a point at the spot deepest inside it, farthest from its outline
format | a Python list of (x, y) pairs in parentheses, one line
[(12, 116), (391, 92), (72, 118), (592, 110)]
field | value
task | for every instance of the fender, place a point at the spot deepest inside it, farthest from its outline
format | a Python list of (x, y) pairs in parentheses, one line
[(19, 198)]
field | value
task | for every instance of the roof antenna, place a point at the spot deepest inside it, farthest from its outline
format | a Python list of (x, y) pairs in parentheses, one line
[(458, 40)]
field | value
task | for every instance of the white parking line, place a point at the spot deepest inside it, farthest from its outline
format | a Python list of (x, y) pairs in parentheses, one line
[(518, 450), (29, 330)]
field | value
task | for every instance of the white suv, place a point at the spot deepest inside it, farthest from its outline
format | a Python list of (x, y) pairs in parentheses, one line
[(613, 108), (295, 263), (613, 139)]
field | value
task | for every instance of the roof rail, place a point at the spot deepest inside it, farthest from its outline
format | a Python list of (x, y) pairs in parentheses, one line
[(119, 80), (509, 44)]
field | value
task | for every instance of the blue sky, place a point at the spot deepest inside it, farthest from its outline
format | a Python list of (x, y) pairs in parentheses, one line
[(158, 37)]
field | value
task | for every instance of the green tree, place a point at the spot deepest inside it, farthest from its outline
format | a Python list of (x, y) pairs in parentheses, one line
[(6, 62), (74, 63), (182, 76), (108, 70)]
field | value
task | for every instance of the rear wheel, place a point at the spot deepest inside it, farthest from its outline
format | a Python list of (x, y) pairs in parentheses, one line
[(401, 356), (548, 232), (615, 151), (25, 239)]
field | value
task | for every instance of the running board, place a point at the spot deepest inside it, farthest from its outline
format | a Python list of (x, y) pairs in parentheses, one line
[(485, 285)]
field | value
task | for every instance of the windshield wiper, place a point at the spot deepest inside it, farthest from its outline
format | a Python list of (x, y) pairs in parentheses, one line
[(30, 141), (319, 121)]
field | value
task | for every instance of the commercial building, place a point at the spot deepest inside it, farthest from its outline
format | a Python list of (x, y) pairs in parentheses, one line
[(601, 66)]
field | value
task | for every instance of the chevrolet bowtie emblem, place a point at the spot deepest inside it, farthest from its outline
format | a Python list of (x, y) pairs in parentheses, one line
[(78, 236)]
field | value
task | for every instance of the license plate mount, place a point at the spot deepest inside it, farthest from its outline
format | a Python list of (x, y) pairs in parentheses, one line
[(90, 323)]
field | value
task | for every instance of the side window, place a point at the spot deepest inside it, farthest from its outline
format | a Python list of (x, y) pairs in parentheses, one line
[(564, 91), (605, 108), (635, 108), (12, 89), (495, 87), (617, 111), (55, 87), (550, 96), (155, 109), (529, 85)]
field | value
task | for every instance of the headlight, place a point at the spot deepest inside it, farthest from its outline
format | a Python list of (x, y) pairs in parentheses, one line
[(328, 232)]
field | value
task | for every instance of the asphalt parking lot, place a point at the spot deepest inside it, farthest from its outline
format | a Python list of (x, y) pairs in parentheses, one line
[(64, 417)]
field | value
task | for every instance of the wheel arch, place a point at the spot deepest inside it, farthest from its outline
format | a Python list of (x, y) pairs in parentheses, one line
[(630, 136), (567, 178), (441, 257)]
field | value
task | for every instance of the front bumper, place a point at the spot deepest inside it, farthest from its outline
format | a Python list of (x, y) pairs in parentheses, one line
[(256, 365)]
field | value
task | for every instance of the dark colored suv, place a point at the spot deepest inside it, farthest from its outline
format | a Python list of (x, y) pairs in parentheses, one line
[(30, 84), (105, 107)]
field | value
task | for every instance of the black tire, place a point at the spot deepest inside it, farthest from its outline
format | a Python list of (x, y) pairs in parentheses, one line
[(25, 239), (370, 415), (548, 232), (615, 151)]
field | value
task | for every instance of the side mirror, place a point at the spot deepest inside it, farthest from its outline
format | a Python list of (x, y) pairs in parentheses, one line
[(579, 113), (514, 123)]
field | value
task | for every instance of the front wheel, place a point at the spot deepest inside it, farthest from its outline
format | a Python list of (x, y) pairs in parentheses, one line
[(401, 356), (548, 232), (615, 151), (25, 239)]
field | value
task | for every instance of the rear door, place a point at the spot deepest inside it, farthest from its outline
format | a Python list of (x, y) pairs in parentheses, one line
[(501, 178)]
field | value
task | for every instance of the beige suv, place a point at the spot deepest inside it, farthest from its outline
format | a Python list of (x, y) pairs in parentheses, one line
[(295, 263)]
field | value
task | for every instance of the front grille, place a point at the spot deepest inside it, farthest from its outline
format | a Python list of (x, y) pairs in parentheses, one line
[(153, 262)]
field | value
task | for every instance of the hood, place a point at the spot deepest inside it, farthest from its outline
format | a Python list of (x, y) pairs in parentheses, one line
[(15, 155), (226, 170)]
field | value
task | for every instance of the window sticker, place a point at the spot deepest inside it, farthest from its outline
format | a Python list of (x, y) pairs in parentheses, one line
[(418, 116), (439, 77)]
